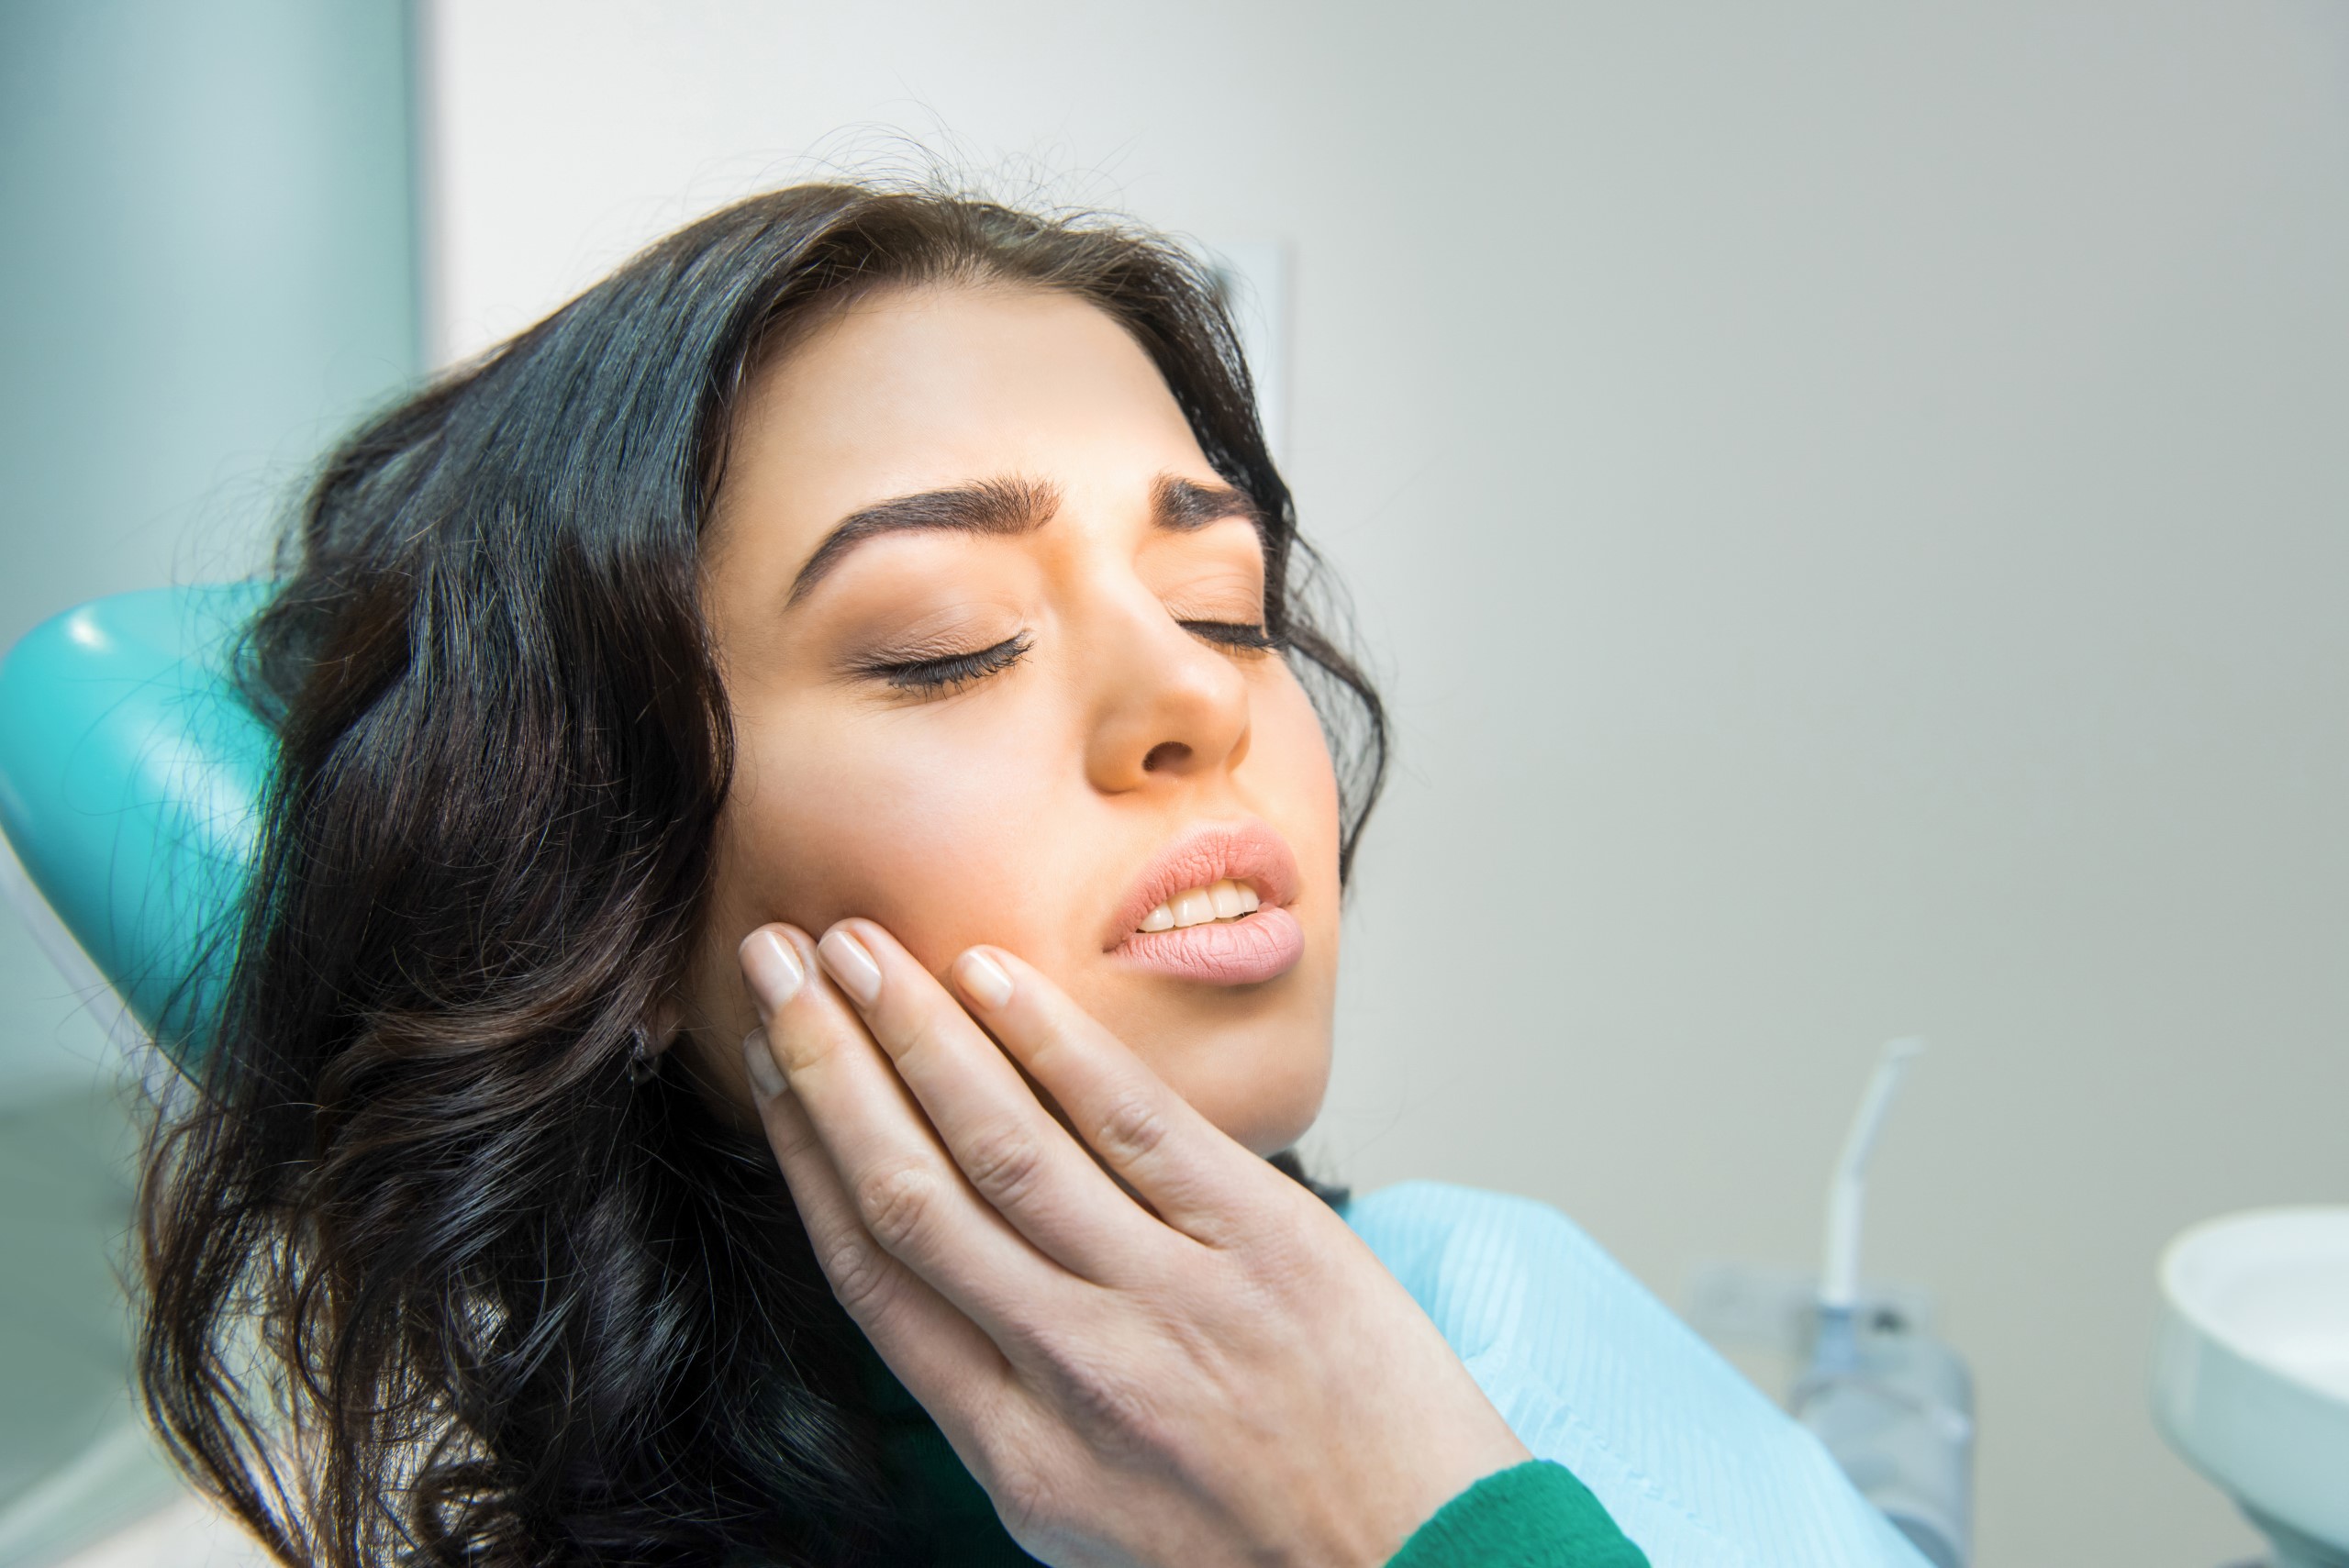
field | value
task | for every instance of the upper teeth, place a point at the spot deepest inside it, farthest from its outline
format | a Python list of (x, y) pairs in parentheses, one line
[(1197, 905)]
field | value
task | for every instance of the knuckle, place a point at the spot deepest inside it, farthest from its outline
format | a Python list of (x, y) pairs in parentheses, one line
[(860, 1277), (793, 1138), (914, 1031), (1286, 1259), (1132, 1126), (1106, 1405), (896, 1204), (1005, 1163), (1029, 1468), (1029, 1501), (801, 1046)]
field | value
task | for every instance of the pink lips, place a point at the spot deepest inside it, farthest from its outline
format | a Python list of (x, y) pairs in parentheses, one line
[(1256, 947)]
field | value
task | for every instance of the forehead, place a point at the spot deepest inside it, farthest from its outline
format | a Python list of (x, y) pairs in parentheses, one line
[(915, 389)]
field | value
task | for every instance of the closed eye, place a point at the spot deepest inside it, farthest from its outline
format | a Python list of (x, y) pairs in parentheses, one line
[(948, 673), (1239, 635)]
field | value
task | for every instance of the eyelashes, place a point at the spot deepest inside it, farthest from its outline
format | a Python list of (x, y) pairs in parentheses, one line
[(953, 673), (1241, 636)]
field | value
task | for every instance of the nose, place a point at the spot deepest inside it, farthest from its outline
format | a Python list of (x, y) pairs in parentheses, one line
[(1166, 706)]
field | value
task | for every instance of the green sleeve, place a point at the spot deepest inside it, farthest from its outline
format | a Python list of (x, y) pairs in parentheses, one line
[(1534, 1515)]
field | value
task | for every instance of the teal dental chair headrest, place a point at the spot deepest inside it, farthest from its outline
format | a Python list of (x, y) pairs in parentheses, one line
[(131, 775)]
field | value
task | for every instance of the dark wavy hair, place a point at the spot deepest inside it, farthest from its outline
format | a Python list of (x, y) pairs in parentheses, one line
[(428, 1277)]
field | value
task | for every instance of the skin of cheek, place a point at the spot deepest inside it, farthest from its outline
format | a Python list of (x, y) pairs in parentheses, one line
[(979, 826)]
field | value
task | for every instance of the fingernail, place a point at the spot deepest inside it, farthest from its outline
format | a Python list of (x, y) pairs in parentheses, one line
[(850, 964), (758, 1059), (772, 967), (984, 978)]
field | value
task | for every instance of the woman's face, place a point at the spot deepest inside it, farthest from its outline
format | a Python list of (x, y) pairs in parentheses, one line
[(985, 615)]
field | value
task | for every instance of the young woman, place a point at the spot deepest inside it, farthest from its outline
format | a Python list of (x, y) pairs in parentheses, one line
[(796, 925)]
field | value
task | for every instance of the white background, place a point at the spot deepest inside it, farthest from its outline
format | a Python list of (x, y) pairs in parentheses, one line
[(1851, 503)]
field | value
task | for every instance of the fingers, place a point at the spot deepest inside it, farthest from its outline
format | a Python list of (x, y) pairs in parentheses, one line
[(940, 1355), (1197, 1179), (1020, 1158), (902, 1188)]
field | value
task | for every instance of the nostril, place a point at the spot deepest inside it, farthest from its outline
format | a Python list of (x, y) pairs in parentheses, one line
[(1165, 754)]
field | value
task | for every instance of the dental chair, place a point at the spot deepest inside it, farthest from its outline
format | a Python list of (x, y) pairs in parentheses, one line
[(130, 774)]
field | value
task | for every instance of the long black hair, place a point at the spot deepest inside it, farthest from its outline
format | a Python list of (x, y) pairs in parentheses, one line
[(429, 1278)]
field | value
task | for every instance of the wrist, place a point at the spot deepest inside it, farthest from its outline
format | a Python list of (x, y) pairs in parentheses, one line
[(1388, 1512)]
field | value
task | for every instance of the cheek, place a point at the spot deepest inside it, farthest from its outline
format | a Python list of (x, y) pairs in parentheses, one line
[(928, 841), (1293, 758), (934, 831)]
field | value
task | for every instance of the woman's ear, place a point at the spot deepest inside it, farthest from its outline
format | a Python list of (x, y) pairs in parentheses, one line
[(662, 1023), (654, 1033)]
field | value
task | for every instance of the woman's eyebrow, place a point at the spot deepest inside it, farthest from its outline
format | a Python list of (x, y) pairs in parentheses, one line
[(1183, 504), (988, 507)]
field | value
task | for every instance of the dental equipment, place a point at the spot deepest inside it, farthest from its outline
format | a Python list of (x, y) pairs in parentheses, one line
[(1894, 1405), (2251, 1372)]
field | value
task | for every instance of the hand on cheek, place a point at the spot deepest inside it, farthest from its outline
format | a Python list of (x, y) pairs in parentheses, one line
[(1181, 1378)]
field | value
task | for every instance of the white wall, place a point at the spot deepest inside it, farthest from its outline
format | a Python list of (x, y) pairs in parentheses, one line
[(1850, 502)]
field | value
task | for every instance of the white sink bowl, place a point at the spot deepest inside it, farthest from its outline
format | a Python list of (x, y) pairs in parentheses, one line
[(2250, 1371)]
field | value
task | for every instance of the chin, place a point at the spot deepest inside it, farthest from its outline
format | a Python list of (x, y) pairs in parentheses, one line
[(1253, 1060), (1261, 1098)]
